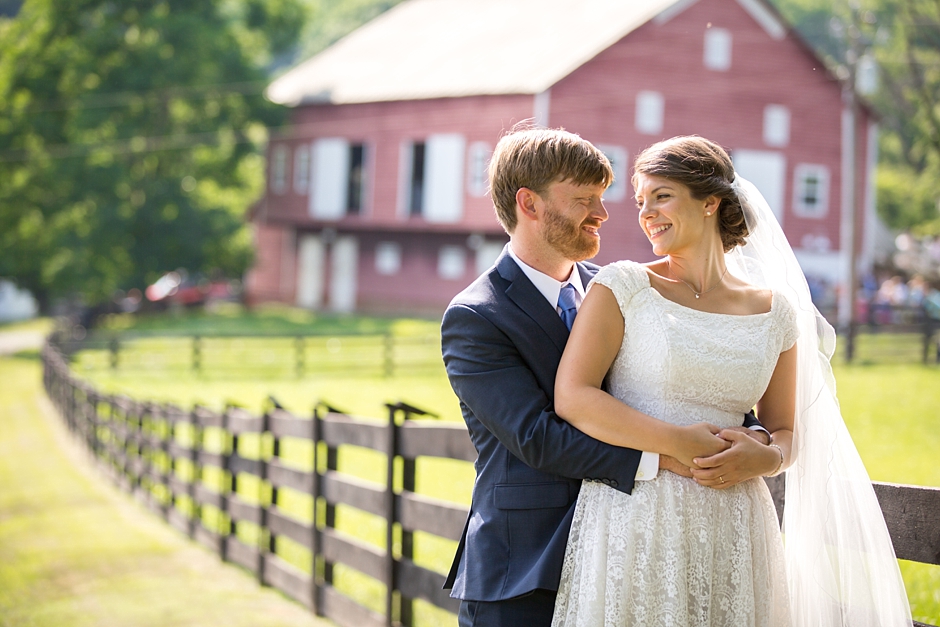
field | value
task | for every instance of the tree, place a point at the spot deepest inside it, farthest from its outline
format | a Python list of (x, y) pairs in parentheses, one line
[(909, 56), (130, 138), (904, 38)]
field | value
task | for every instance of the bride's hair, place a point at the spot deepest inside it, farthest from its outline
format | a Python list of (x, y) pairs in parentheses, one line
[(706, 169)]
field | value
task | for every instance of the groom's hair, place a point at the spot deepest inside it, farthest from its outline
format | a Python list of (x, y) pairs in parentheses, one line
[(537, 157)]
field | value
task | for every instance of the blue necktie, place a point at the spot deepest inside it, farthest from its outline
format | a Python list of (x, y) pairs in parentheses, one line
[(567, 301)]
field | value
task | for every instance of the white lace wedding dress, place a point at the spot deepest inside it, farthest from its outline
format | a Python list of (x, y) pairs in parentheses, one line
[(673, 553)]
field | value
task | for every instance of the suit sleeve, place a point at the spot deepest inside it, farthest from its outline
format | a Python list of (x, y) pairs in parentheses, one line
[(491, 378)]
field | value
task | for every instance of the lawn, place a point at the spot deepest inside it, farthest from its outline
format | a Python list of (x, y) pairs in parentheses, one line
[(74, 552), (890, 410)]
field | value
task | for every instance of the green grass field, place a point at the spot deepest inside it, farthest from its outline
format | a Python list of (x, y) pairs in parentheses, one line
[(891, 411), (75, 552)]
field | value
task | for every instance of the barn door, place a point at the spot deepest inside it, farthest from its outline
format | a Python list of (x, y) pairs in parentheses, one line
[(311, 272), (344, 266), (767, 170)]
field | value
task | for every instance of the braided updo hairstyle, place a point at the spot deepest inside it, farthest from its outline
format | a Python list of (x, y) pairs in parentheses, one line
[(706, 169)]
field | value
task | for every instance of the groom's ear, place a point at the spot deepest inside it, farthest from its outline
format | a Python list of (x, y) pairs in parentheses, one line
[(526, 201)]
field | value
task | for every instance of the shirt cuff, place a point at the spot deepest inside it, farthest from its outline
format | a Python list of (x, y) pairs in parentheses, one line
[(649, 466)]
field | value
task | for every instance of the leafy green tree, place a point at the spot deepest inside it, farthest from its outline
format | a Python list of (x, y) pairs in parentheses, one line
[(335, 19), (904, 37), (130, 137)]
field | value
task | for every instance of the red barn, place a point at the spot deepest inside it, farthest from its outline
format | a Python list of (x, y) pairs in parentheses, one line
[(376, 197)]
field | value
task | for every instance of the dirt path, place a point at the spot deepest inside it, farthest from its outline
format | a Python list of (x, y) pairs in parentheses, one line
[(76, 552)]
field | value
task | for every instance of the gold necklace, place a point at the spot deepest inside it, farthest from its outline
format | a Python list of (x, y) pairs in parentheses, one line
[(689, 285)]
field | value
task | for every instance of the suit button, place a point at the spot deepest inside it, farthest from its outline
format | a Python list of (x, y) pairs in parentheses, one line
[(613, 483), (588, 480), (605, 481)]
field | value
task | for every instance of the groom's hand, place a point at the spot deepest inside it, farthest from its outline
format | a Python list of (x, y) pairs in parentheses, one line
[(674, 465), (747, 458)]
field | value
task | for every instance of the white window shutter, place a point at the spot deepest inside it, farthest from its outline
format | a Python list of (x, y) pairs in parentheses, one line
[(718, 49), (617, 155), (387, 258), (330, 178), (650, 106), (766, 169), (443, 178), (776, 125), (279, 169), (477, 170), (301, 169), (452, 262)]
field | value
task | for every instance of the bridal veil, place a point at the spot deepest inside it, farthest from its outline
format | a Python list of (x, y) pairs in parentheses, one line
[(841, 566)]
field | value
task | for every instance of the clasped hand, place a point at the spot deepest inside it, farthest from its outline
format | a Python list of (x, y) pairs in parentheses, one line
[(727, 457), (698, 441)]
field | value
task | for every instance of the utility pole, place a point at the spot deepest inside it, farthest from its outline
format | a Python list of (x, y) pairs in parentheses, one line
[(855, 48)]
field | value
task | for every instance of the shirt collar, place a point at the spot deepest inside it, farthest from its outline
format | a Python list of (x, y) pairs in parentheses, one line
[(546, 285)]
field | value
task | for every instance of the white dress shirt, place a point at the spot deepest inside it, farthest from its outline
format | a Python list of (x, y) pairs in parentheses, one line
[(550, 289)]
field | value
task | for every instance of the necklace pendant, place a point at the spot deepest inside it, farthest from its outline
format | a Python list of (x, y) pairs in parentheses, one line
[(696, 296)]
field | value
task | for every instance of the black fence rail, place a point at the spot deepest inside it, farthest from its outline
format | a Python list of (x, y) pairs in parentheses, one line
[(278, 356), (187, 465), (894, 333)]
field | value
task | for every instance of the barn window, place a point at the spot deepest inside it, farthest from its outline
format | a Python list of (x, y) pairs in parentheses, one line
[(776, 125), (279, 169), (355, 180), (477, 175), (718, 49), (811, 190), (649, 112), (618, 162), (338, 178), (452, 262), (388, 258), (416, 179), (433, 178), (301, 169)]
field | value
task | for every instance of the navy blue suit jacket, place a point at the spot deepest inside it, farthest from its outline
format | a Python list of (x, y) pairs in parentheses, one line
[(502, 342)]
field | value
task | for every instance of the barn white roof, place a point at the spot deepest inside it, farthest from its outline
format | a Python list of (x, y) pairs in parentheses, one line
[(450, 48)]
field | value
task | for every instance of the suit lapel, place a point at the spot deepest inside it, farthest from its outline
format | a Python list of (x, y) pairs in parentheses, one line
[(527, 297)]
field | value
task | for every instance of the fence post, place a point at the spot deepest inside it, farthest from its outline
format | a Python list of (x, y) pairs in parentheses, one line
[(850, 342), (265, 544), (196, 435), (391, 518), (314, 529), (405, 605), (389, 354), (326, 463), (115, 346), (928, 333), (197, 353), (229, 448), (300, 347)]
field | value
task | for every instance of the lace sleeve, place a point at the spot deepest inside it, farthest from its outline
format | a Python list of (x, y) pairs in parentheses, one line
[(624, 279), (788, 331)]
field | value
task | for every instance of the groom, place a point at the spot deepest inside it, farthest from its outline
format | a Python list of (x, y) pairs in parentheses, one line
[(502, 339)]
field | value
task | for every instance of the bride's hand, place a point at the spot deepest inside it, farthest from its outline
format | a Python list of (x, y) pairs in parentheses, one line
[(698, 440), (745, 459)]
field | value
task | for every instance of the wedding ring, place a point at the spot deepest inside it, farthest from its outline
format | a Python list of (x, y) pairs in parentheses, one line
[(722, 479)]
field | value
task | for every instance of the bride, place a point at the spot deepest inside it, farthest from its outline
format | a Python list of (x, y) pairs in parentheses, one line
[(677, 349)]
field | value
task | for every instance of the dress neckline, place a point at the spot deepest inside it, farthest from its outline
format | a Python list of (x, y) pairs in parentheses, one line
[(649, 285)]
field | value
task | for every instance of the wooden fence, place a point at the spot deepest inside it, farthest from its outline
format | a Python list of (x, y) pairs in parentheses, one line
[(911, 330), (141, 446), (278, 356)]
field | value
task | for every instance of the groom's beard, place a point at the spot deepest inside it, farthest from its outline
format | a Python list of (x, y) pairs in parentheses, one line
[(565, 236)]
